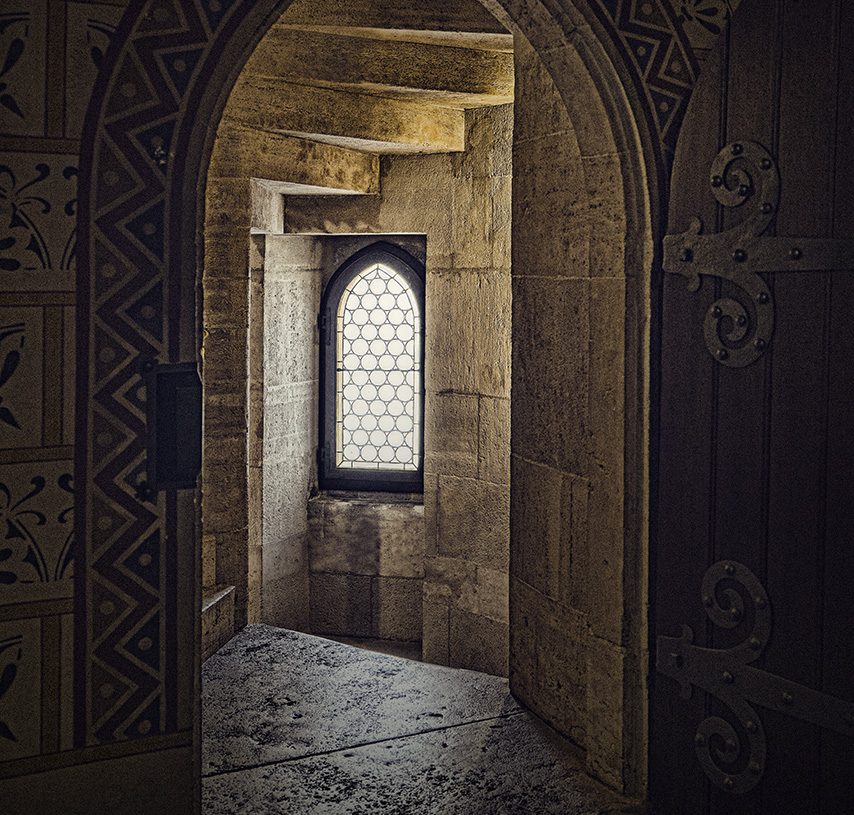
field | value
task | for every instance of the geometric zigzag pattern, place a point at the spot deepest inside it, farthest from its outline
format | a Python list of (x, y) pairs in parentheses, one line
[(125, 677)]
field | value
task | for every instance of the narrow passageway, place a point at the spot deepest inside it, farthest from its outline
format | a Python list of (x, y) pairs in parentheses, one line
[(294, 723)]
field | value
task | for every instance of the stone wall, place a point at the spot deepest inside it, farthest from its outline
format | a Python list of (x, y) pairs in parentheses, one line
[(578, 421), (461, 202), (366, 555), (292, 284)]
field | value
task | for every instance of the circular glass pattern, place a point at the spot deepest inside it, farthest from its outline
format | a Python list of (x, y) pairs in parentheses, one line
[(378, 379)]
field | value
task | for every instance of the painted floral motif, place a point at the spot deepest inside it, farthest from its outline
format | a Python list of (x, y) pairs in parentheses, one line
[(704, 20), (23, 558), (14, 29), (23, 207), (10, 653), (64, 568), (11, 356), (19, 549)]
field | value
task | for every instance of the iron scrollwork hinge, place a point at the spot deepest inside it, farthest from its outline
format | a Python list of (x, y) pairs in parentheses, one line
[(737, 334), (728, 675)]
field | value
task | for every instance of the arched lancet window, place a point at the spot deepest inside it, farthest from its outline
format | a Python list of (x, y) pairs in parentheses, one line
[(372, 355)]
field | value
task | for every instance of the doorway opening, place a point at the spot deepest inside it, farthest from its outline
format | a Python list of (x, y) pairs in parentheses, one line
[(573, 333)]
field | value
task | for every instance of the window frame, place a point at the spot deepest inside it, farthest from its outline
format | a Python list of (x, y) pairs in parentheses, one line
[(329, 475)]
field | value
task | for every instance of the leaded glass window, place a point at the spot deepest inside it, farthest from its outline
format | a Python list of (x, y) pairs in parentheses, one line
[(373, 372)]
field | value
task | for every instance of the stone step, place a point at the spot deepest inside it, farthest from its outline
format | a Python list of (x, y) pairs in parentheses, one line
[(465, 16), (457, 76), (355, 120), (293, 166)]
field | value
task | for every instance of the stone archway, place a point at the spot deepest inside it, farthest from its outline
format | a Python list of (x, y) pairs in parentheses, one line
[(148, 145)]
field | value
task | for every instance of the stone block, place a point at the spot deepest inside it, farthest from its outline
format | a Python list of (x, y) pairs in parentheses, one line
[(226, 304), (468, 315), (366, 537), (208, 561), (478, 643), (287, 483), (285, 602), (607, 380), (268, 207), (378, 124), (548, 187), (538, 105), (502, 223), (473, 227), (228, 205), (229, 255), (291, 303), (493, 446), (436, 625), (547, 668), (535, 525), (217, 619), (550, 372), (245, 152), (489, 143), (225, 497), (451, 434), (451, 581), (340, 604), (578, 587), (605, 710), (474, 521), (606, 203), (288, 253), (225, 414), (225, 368), (396, 608), (431, 515)]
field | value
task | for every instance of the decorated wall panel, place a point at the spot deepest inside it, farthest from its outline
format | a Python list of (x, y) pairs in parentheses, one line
[(50, 54)]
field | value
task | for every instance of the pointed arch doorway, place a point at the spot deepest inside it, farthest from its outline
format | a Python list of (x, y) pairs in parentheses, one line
[(578, 638)]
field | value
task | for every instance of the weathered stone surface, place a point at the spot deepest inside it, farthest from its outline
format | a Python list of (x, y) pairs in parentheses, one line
[(489, 144), (551, 371), (217, 619), (463, 584), (605, 713), (290, 253), (469, 318), (275, 695), (244, 152), (285, 601), (547, 669), (538, 107), (226, 304), (355, 120), (493, 447), (477, 643), (451, 434), (225, 359), (466, 16), (366, 537), (396, 608), (474, 518), (268, 207), (340, 604), (462, 77), (436, 630), (535, 525), (291, 303)]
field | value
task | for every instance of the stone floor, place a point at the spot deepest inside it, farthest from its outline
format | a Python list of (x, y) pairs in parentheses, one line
[(298, 724)]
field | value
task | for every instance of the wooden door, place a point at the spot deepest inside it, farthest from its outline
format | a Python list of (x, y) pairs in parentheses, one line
[(753, 539)]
